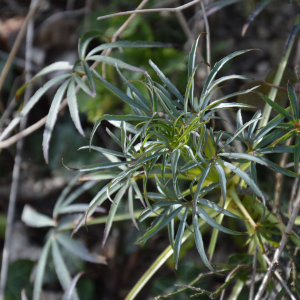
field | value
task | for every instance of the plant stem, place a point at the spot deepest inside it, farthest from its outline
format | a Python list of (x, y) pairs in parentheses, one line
[(242, 208), (277, 80), (159, 262)]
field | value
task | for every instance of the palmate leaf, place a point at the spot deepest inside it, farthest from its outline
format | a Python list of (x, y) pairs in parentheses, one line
[(33, 100), (214, 72), (167, 82), (52, 116), (85, 40)]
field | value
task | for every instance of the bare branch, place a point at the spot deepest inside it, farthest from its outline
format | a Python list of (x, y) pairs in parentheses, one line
[(142, 11), (208, 52), (280, 278), (279, 250), (17, 43), (8, 142), (251, 294), (18, 158)]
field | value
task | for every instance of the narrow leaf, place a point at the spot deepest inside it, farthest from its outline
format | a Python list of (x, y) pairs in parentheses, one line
[(52, 116)]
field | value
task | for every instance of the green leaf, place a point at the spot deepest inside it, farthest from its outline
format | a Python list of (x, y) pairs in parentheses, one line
[(273, 123), (239, 121), (293, 101), (89, 76), (103, 166), (40, 271), (104, 150), (246, 178), (253, 175), (225, 78), (241, 129), (217, 105), (128, 44), (117, 118), (277, 149), (261, 160), (255, 12), (275, 135), (61, 269), (200, 184), (79, 249), (121, 94), (134, 89), (191, 65), (214, 72), (297, 153), (68, 293), (57, 66), (252, 126), (114, 61), (167, 82), (277, 107), (199, 243), (222, 180), (34, 219), (52, 116), (73, 106), (279, 169), (217, 208), (131, 207), (85, 40), (159, 226), (206, 217), (178, 238), (33, 100), (83, 86), (112, 212)]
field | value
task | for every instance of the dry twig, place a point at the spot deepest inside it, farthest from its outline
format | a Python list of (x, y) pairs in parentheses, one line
[(279, 250), (18, 159)]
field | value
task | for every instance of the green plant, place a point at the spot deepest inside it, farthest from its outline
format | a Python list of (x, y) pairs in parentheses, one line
[(168, 145), (173, 161)]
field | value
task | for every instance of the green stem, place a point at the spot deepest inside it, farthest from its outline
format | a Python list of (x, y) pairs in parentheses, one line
[(215, 233), (159, 262), (277, 80), (240, 205)]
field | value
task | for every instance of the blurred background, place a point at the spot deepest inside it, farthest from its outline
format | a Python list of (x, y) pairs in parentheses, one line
[(58, 24)]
